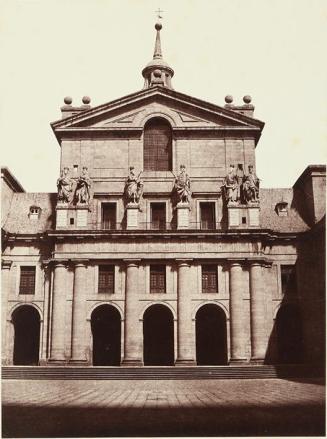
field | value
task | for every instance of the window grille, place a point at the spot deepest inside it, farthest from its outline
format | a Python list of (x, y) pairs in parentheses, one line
[(106, 279), (209, 279), (27, 280), (157, 279), (157, 145)]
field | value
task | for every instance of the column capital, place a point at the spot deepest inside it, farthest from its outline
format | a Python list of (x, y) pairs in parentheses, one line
[(59, 262), (184, 262), (80, 262), (132, 262), (258, 261), (235, 262), (5, 265)]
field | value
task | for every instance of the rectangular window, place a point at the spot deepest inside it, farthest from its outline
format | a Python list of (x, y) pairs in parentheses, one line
[(109, 216), (27, 280), (158, 216), (207, 216), (157, 279), (106, 279), (288, 276), (209, 279)]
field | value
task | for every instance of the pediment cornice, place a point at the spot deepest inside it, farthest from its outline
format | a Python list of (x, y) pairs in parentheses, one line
[(130, 112)]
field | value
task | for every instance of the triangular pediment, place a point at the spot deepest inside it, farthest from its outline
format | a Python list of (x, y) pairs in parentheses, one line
[(134, 110)]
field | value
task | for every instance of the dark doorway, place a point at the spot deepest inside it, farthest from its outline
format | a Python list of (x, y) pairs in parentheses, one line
[(207, 211), (109, 216), (289, 335), (26, 320), (158, 216), (106, 332), (211, 336), (158, 336)]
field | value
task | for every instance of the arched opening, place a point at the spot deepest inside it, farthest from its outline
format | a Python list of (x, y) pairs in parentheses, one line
[(211, 336), (26, 320), (106, 333), (157, 145), (289, 335), (158, 336)]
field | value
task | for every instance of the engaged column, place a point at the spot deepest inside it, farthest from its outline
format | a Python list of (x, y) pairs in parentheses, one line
[(185, 336), (236, 313), (133, 335)]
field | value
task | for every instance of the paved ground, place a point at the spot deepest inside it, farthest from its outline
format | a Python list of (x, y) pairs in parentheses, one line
[(162, 408)]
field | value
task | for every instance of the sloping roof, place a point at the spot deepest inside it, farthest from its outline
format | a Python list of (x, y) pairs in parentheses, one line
[(18, 219), (11, 180), (293, 222)]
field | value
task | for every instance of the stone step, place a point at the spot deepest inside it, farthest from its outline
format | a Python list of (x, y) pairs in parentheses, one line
[(157, 373)]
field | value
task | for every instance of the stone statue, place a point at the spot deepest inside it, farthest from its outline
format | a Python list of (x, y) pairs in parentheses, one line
[(83, 188), (133, 187), (182, 185), (250, 187), (65, 186), (231, 186)]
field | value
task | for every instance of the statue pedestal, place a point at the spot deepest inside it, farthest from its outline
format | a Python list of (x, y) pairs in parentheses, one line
[(183, 215), (132, 216), (233, 215), (81, 215), (61, 215), (254, 215)]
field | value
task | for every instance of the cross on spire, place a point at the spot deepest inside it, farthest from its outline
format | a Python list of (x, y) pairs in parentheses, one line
[(159, 12)]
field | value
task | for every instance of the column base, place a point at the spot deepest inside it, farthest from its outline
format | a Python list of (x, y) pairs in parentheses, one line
[(53, 362), (75, 362), (183, 362), (132, 363), (257, 361), (235, 361)]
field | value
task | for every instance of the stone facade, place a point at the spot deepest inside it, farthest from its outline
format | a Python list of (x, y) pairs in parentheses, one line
[(246, 245)]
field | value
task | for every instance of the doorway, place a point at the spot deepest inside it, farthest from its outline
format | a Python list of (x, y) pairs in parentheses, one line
[(158, 336), (26, 320), (106, 333), (211, 336)]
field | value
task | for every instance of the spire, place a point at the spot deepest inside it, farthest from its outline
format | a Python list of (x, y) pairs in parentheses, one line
[(157, 47), (157, 72)]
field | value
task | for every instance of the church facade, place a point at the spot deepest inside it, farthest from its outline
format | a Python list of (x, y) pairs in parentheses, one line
[(160, 247)]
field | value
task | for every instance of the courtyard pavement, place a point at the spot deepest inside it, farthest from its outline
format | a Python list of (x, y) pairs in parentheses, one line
[(265, 407)]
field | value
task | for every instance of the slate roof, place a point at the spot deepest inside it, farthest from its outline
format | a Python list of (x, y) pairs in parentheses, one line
[(18, 220), (293, 222)]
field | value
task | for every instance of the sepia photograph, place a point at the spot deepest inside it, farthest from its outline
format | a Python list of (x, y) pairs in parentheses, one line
[(163, 218)]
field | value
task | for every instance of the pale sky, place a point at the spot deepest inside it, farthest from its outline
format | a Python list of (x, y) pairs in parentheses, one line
[(273, 50)]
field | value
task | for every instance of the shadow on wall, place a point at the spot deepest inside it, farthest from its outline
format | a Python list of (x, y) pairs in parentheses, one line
[(285, 345)]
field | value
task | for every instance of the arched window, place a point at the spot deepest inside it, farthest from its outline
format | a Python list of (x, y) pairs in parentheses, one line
[(157, 145)]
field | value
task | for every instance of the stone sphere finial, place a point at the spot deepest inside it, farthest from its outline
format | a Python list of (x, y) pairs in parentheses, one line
[(158, 26), (247, 99), (68, 100), (228, 99), (86, 100)]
